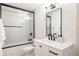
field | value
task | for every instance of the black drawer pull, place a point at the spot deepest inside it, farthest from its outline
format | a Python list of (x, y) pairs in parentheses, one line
[(53, 52), (40, 46)]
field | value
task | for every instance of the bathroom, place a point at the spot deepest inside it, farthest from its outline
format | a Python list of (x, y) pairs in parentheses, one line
[(30, 31)]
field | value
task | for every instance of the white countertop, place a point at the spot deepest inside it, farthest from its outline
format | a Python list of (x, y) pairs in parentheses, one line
[(54, 44)]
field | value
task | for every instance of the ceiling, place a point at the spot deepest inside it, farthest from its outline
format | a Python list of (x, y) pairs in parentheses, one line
[(27, 6)]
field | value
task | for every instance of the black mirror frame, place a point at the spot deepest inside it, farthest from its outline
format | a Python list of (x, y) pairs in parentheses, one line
[(60, 21)]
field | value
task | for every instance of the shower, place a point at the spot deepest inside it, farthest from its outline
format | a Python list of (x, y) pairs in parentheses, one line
[(19, 26)]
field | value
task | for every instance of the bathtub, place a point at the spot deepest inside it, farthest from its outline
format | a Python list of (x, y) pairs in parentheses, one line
[(15, 50)]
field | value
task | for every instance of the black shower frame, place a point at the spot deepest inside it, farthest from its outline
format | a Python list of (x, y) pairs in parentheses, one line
[(3, 4)]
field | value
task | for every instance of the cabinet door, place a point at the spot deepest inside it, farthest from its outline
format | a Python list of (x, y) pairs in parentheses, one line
[(41, 49)]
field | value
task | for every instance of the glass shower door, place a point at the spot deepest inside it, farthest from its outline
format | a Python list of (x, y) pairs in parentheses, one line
[(18, 26)]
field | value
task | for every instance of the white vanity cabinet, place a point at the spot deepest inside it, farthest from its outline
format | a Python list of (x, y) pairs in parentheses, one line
[(46, 48), (40, 49)]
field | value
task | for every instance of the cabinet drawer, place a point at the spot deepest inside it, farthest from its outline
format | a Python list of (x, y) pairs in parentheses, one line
[(41, 49), (54, 52)]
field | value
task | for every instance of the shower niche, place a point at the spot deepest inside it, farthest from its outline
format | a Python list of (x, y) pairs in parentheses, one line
[(54, 23)]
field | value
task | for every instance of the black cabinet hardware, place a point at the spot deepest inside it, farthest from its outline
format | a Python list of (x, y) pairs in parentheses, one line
[(40, 46), (53, 52)]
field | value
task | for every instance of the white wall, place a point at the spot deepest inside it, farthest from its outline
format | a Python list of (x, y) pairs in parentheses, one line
[(40, 23), (68, 22)]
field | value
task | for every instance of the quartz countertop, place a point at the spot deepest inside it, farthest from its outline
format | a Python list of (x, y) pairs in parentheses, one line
[(54, 44)]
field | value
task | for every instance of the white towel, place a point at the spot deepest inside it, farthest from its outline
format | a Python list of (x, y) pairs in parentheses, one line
[(2, 32), (2, 37), (1, 45)]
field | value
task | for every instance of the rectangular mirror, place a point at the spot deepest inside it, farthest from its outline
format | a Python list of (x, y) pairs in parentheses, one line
[(54, 22)]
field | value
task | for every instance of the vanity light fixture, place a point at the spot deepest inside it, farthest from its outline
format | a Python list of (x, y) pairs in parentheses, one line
[(51, 6)]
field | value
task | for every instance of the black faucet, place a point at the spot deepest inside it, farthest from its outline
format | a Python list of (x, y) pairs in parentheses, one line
[(54, 36), (50, 36)]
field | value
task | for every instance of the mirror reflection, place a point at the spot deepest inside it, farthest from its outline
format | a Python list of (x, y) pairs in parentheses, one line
[(54, 23)]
